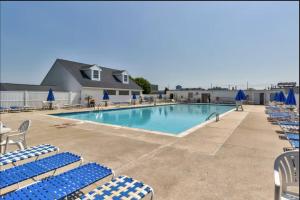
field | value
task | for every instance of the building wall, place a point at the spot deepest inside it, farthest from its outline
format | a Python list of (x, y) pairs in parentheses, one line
[(97, 94), (58, 75), (227, 96)]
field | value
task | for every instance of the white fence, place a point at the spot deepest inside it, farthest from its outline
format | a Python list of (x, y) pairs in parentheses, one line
[(35, 98)]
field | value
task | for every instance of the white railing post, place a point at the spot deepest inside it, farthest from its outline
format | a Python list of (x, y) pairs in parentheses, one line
[(70, 98), (25, 103)]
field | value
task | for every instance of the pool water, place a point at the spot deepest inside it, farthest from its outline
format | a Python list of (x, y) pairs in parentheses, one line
[(171, 119)]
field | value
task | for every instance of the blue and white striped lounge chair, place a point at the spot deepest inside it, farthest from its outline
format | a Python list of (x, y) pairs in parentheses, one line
[(13, 158), (282, 116), (289, 136), (15, 109), (279, 114), (62, 185), (292, 136), (292, 123), (290, 128), (3, 109), (294, 143), (122, 187), (15, 177)]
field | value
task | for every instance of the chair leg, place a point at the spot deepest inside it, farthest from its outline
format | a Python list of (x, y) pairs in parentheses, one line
[(25, 144), (20, 145), (5, 147)]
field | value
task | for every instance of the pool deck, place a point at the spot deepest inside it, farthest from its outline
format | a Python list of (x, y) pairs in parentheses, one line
[(229, 159)]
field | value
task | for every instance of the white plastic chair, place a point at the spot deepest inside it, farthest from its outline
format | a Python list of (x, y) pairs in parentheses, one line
[(18, 138), (286, 174)]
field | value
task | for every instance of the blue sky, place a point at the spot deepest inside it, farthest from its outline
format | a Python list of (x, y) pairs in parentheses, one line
[(189, 43)]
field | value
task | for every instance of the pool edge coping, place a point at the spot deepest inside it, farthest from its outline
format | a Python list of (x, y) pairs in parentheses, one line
[(180, 135)]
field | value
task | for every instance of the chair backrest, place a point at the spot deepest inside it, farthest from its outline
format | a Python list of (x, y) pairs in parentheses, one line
[(287, 165), (24, 126)]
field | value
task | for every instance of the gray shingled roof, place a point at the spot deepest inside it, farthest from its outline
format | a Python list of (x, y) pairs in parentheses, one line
[(23, 87), (108, 80)]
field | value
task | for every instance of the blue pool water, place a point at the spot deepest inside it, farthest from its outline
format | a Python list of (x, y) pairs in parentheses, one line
[(171, 119)]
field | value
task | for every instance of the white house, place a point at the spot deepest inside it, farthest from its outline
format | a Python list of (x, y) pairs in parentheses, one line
[(92, 80)]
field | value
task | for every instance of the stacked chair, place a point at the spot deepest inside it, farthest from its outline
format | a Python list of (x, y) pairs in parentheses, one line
[(42, 172), (288, 122)]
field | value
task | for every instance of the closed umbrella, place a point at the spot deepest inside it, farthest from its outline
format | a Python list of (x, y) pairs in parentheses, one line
[(134, 98), (276, 96), (240, 96), (290, 100), (50, 97), (105, 97), (281, 97)]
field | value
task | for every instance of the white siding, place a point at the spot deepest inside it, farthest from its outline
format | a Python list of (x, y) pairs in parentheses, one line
[(97, 94), (35, 98)]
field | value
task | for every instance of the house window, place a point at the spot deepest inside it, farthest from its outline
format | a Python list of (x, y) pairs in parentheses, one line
[(125, 78), (111, 92), (123, 92), (135, 92), (96, 74)]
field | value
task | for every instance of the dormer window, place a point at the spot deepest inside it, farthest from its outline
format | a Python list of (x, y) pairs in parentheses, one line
[(95, 73), (125, 78)]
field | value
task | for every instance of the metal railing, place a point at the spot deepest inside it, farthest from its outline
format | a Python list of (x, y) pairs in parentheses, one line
[(212, 114)]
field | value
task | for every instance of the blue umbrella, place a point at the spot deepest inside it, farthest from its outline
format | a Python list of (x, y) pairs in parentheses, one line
[(50, 95), (105, 96), (281, 97), (291, 100), (276, 96), (240, 95), (134, 96)]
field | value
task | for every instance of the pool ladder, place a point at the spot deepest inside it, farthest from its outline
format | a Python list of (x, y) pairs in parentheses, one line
[(214, 113)]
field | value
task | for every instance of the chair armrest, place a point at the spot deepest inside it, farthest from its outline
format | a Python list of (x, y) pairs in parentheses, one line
[(12, 135)]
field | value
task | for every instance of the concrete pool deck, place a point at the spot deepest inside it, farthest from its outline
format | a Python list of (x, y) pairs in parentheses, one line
[(229, 159)]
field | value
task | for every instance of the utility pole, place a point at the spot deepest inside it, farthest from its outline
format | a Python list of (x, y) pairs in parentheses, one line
[(211, 86), (247, 85)]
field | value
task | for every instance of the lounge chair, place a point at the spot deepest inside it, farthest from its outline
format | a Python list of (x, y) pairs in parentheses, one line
[(16, 177), (45, 105), (292, 128), (4, 109), (63, 185), (294, 145), (67, 106), (18, 137), (122, 187), (283, 116), (20, 156), (290, 136), (293, 123), (15, 109), (286, 174), (28, 108)]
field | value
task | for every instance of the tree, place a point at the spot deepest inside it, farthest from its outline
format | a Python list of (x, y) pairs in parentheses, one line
[(144, 84)]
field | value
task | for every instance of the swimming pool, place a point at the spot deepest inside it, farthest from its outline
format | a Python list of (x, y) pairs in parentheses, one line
[(170, 119)]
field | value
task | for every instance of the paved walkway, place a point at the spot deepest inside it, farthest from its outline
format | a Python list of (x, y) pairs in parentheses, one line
[(229, 159)]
